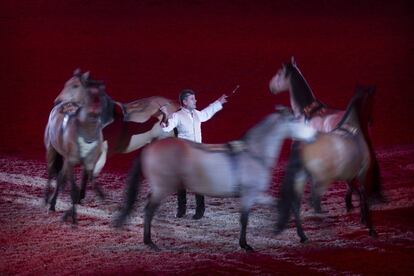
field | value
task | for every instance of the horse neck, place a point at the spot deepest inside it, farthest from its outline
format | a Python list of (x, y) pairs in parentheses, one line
[(300, 93), (266, 147)]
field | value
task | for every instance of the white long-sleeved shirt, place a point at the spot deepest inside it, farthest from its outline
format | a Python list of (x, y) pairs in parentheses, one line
[(188, 123)]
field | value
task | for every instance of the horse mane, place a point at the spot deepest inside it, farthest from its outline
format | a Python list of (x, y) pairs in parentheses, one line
[(302, 93), (108, 105)]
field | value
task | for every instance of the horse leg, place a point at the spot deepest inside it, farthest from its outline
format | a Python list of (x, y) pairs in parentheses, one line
[(317, 190), (287, 189), (182, 202), (299, 186), (348, 196), (200, 207), (366, 213), (54, 164), (150, 209), (97, 170), (298, 221), (84, 181), (315, 199), (99, 192), (60, 181), (244, 218), (74, 194)]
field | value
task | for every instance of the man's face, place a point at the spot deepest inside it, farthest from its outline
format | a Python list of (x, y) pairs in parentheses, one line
[(190, 102)]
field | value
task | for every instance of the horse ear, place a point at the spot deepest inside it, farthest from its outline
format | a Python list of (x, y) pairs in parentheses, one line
[(85, 76), (77, 72), (292, 60)]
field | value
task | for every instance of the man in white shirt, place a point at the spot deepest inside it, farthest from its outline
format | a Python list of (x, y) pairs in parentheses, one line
[(188, 121)]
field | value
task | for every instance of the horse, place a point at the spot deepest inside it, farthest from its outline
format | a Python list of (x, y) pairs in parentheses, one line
[(126, 127), (213, 170), (340, 155), (308, 108), (74, 138)]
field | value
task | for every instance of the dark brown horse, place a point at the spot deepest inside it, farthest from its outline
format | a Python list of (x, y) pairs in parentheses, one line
[(73, 136), (340, 155), (321, 117)]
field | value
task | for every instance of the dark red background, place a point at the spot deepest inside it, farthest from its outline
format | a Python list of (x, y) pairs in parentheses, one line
[(145, 48)]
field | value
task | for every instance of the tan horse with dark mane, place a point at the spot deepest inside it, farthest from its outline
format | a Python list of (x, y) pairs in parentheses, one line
[(126, 127), (340, 155), (322, 118)]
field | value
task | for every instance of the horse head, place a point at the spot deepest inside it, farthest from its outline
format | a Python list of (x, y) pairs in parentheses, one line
[(266, 137), (289, 78), (281, 81), (74, 89)]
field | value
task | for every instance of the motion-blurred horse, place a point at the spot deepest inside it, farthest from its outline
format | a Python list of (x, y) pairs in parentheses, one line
[(127, 127), (76, 137), (210, 170), (322, 118), (340, 155)]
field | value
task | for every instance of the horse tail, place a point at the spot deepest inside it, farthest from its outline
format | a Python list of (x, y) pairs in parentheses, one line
[(287, 196), (376, 194), (131, 191), (361, 104)]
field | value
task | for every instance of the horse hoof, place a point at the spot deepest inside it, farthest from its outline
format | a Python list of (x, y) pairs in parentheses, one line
[(278, 230), (100, 194), (119, 221), (349, 208), (180, 213), (152, 246), (303, 240), (52, 208), (248, 248), (65, 216), (198, 215), (373, 233)]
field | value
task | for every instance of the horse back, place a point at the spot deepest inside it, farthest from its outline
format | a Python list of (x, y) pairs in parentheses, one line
[(176, 162), (141, 110), (326, 121), (335, 156)]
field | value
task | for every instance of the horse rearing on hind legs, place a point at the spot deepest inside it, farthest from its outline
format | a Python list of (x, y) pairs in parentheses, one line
[(308, 108), (243, 172), (73, 136), (340, 155)]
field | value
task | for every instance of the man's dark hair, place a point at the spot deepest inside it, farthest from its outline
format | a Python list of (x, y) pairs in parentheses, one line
[(184, 94)]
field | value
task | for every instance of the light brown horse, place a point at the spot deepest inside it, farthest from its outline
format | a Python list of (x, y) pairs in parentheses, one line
[(340, 155), (308, 108), (244, 172), (127, 127), (74, 138)]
